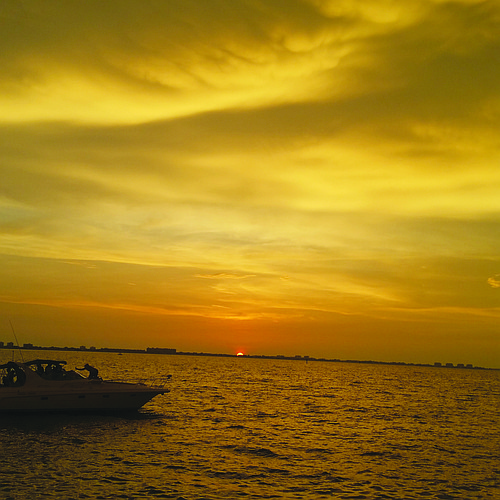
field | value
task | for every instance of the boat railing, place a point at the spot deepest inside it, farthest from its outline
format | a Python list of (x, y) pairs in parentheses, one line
[(155, 383)]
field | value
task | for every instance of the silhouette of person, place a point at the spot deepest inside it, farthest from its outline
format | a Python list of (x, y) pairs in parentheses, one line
[(39, 369), (93, 372), (48, 371), (15, 377)]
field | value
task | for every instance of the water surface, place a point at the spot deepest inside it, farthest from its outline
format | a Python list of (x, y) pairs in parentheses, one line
[(253, 428)]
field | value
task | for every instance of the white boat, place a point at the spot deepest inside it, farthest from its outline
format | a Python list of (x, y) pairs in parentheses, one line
[(45, 386)]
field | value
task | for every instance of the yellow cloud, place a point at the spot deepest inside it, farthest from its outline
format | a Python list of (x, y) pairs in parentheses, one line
[(494, 281), (328, 163)]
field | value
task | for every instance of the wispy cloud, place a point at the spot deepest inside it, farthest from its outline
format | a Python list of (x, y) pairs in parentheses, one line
[(494, 281), (224, 276), (204, 151)]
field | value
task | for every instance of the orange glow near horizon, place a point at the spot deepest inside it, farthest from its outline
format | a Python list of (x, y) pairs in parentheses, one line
[(220, 177)]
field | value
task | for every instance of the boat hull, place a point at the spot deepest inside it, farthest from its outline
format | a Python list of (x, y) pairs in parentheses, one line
[(90, 402)]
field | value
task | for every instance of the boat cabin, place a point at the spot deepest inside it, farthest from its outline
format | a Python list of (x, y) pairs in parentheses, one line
[(13, 374)]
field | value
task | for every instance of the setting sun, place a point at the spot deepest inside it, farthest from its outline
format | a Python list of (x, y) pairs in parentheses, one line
[(240, 354)]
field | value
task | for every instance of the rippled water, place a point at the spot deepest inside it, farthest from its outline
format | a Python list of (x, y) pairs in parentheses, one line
[(250, 428)]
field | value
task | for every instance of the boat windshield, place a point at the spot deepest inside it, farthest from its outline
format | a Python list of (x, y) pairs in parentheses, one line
[(52, 370)]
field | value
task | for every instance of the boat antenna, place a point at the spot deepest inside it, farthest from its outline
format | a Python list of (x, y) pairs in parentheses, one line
[(17, 341)]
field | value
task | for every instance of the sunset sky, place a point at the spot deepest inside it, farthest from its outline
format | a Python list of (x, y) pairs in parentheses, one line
[(289, 177)]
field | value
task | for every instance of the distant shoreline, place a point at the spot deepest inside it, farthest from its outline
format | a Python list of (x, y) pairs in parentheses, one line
[(174, 352)]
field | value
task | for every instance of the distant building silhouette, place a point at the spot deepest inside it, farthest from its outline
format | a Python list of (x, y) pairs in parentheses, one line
[(160, 350)]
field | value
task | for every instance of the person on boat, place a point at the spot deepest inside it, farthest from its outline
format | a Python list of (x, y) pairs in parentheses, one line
[(39, 369), (15, 376), (49, 369), (57, 372), (93, 372), (9, 379)]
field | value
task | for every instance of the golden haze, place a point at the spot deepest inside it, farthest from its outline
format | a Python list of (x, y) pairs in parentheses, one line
[(317, 179)]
